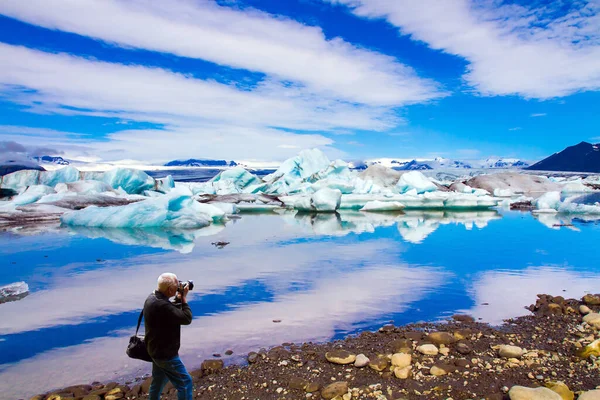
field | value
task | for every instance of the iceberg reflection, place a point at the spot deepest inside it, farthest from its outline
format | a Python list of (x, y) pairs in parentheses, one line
[(413, 225)]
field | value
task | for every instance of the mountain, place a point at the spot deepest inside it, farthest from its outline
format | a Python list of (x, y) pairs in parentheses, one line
[(192, 162), (9, 168), (51, 160), (583, 157), (445, 163)]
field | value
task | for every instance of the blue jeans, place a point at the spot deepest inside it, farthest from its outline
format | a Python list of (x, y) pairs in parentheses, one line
[(173, 370)]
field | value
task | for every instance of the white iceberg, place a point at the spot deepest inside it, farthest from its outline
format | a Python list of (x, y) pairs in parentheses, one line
[(168, 211), (324, 200), (83, 187), (415, 180)]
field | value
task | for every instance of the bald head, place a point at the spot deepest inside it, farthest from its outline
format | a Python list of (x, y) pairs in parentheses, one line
[(167, 283)]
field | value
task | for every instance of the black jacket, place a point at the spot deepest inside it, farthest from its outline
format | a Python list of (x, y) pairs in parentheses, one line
[(163, 320)]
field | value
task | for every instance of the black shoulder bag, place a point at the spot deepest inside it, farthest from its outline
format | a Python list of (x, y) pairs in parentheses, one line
[(137, 346)]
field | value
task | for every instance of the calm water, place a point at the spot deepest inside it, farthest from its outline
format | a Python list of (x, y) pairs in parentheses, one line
[(323, 276)]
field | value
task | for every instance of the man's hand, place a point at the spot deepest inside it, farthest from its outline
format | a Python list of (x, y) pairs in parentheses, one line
[(183, 296)]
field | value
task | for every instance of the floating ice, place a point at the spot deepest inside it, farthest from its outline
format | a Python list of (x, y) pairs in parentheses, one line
[(83, 187), (13, 292), (169, 211), (575, 186), (415, 180), (324, 200), (237, 180), (132, 181), (165, 184), (31, 195), (20, 180), (548, 201), (63, 175)]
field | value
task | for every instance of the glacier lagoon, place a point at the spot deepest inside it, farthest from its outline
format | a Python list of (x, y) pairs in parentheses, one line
[(324, 276)]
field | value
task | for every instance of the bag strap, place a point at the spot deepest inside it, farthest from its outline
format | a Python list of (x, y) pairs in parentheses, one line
[(139, 322)]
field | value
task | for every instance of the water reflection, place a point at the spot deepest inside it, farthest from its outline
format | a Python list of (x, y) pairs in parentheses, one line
[(414, 225), (323, 276)]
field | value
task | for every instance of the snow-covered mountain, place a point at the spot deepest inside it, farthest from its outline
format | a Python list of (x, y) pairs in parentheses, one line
[(445, 163), (192, 162), (51, 160)]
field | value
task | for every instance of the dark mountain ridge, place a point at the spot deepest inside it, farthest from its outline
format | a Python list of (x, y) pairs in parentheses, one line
[(582, 157)]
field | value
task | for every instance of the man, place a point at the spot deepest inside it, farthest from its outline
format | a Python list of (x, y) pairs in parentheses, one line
[(163, 320)]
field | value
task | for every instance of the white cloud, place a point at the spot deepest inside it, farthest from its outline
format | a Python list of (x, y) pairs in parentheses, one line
[(511, 50), (201, 117), (245, 39), (535, 115), (516, 128)]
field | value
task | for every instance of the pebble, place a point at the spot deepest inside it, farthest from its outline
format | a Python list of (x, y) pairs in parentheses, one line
[(437, 371), (401, 360), (591, 395), (403, 373), (334, 389), (361, 361), (341, 357), (428, 349), (525, 393), (583, 309), (508, 351)]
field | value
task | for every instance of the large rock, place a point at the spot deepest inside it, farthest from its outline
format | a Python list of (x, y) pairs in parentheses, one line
[(428, 349), (592, 349), (593, 319), (562, 389), (334, 389), (591, 299), (210, 366), (441, 338), (591, 395), (341, 357), (401, 360), (525, 393), (508, 351)]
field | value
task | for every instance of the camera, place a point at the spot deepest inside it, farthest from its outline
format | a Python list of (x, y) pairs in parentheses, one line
[(182, 284)]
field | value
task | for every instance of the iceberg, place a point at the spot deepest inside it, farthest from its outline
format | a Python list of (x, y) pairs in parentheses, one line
[(415, 180), (63, 175), (169, 211), (237, 180), (30, 195), (380, 175), (132, 181), (20, 180), (165, 184), (324, 200), (13, 292), (83, 187)]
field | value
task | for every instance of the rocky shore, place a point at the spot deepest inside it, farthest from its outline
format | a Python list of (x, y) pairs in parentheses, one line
[(552, 354)]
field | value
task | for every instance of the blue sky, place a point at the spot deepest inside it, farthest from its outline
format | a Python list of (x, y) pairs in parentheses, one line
[(107, 80)]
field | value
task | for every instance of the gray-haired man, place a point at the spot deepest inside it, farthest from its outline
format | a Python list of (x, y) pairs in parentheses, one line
[(163, 320)]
